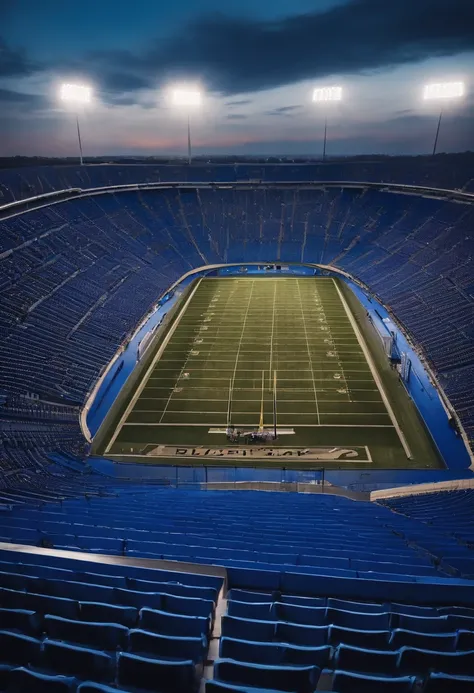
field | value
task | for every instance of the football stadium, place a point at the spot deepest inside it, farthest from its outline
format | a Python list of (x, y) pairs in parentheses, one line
[(237, 426)]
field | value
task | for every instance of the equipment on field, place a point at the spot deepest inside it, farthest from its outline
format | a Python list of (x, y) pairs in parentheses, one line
[(261, 434)]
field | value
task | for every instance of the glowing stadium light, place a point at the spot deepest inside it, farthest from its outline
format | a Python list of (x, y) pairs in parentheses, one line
[(327, 94), (442, 91), (187, 98), (76, 95)]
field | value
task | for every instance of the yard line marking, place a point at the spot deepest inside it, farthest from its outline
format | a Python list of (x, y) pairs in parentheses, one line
[(214, 399), (150, 368), (242, 333), (193, 368), (309, 353), (257, 411), (271, 338), (282, 425), (375, 374)]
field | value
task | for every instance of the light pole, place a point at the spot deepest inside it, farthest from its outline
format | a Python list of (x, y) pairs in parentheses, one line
[(76, 95), (444, 92), (187, 98), (324, 95)]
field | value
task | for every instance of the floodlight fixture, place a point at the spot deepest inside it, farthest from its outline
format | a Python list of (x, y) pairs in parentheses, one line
[(187, 98), (444, 92), (77, 95), (322, 94)]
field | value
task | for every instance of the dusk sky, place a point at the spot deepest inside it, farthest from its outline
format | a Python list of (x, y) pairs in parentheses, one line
[(256, 62)]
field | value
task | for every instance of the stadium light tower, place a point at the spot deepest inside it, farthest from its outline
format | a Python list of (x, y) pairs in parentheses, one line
[(444, 92), (77, 96), (323, 95), (188, 99)]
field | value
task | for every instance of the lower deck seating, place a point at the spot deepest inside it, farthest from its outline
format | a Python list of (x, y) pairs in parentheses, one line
[(323, 594), (341, 645), (100, 623)]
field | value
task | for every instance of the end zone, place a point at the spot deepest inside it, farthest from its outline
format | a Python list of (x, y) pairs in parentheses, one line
[(311, 454)]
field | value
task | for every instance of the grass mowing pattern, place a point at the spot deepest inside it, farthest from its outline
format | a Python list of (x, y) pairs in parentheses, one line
[(239, 331)]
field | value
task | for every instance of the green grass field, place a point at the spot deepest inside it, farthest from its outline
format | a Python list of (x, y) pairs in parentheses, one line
[(240, 344)]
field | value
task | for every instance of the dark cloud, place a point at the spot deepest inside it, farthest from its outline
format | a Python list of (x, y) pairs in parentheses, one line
[(14, 63), (241, 102), (124, 81), (283, 111), (235, 55), (236, 116), (8, 96)]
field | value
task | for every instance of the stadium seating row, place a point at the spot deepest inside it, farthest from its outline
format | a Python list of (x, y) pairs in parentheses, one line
[(447, 172), (76, 278)]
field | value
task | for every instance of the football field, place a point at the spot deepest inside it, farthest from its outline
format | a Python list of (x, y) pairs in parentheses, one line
[(285, 354)]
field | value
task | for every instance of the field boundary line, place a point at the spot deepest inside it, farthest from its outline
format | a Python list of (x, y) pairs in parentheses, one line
[(374, 372), (156, 358)]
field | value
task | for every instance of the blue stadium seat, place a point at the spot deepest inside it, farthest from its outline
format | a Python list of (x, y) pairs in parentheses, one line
[(273, 653), (78, 661), (285, 678), (239, 595), (221, 687), (415, 610), (166, 646), (137, 599), (92, 687), (5, 671), (442, 683), (143, 672), (107, 636), (465, 640), (263, 611), (349, 682), (358, 619), (370, 639), (363, 607), (173, 624), (43, 604), (417, 661), (306, 636), (16, 648), (173, 588), (309, 616), (26, 681), (21, 620), (189, 606), (239, 628), (302, 601), (349, 658), (423, 641), (108, 613), (421, 624)]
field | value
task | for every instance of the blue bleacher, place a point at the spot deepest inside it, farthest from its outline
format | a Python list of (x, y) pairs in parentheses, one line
[(324, 593), (119, 626)]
